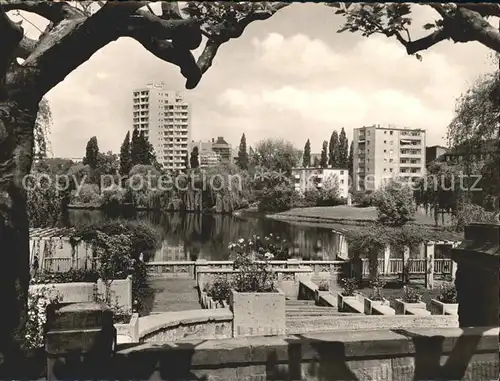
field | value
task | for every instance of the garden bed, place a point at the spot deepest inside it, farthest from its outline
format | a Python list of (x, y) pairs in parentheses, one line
[(122, 318)]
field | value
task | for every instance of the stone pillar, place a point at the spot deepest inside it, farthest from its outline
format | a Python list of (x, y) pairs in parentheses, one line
[(405, 276), (80, 342), (199, 264), (477, 276), (387, 262), (429, 261)]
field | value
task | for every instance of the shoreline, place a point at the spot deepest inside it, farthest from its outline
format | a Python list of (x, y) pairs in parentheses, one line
[(343, 225)]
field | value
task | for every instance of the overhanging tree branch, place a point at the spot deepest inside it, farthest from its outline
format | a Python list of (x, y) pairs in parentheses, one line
[(12, 35), (51, 10)]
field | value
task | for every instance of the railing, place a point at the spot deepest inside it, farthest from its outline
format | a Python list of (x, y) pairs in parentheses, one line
[(57, 264), (415, 266), (189, 268), (65, 264)]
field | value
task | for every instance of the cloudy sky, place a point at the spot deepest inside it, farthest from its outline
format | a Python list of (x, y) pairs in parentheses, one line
[(291, 77)]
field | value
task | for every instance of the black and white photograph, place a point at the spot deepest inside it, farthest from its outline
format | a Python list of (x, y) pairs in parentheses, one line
[(249, 191)]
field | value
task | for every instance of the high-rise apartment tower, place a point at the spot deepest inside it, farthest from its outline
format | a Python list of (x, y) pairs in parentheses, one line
[(164, 116), (381, 153)]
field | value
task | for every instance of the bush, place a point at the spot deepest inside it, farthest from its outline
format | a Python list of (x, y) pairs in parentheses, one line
[(44, 202), (410, 295), (119, 245), (323, 286), (277, 198), (377, 286), (71, 276), (395, 204), (363, 198), (349, 286), (254, 273), (87, 195), (220, 290), (38, 301), (448, 293), (468, 213)]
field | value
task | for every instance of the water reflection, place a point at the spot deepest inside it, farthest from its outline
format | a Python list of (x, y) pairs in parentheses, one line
[(196, 236)]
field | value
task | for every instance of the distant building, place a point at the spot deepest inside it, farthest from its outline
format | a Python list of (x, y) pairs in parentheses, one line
[(315, 159), (164, 116), (210, 150), (381, 153), (472, 151), (224, 149), (311, 178), (433, 153), (209, 159)]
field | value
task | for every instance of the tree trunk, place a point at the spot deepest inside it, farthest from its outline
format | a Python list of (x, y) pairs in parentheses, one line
[(16, 149)]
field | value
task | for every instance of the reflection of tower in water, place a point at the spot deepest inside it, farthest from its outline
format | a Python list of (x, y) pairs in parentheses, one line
[(170, 252)]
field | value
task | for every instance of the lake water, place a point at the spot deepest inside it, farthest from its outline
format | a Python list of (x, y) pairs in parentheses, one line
[(196, 236)]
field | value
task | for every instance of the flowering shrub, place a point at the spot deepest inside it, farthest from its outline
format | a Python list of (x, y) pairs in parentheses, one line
[(377, 286), (219, 290), (349, 285), (271, 247), (448, 293), (255, 274), (38, 301), (323, 286), (410, 295)]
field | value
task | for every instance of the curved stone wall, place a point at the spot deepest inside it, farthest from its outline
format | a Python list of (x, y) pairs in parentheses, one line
[(194, 324)]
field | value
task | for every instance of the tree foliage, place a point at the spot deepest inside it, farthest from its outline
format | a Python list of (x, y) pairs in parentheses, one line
[(395, 204), (455, 21), (474, 128), (125, 156), (275, 155), (323, 161), (194, 160), (334, 151), (242, 153), (306, 157), (343, 150), (42, 128), (350, 160), (91, 153)]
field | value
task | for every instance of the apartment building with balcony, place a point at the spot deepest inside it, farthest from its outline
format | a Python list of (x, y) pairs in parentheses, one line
[(164, 116), (385, 152), (311, 178), (214, 152)]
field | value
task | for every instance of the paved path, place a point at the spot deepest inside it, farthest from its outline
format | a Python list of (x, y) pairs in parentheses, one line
[(174, 295)]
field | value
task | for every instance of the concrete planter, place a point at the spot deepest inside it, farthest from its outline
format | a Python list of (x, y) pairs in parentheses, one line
[(258, 313), (440, 308), (343, 300), (369, 304), (402, 307), (128, 333), (318, 294)]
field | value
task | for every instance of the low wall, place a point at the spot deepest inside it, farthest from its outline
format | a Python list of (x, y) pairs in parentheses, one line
[(174, 326), (121, 291), (78, 292), (383, 355), (356, 321)]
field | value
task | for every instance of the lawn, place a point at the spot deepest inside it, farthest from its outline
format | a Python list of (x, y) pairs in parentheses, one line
[(343, 212)]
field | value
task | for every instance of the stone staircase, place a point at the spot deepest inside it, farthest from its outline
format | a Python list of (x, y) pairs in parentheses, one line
[(304, 316)]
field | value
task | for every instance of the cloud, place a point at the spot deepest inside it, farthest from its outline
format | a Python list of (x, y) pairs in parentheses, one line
[(298, 55)]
